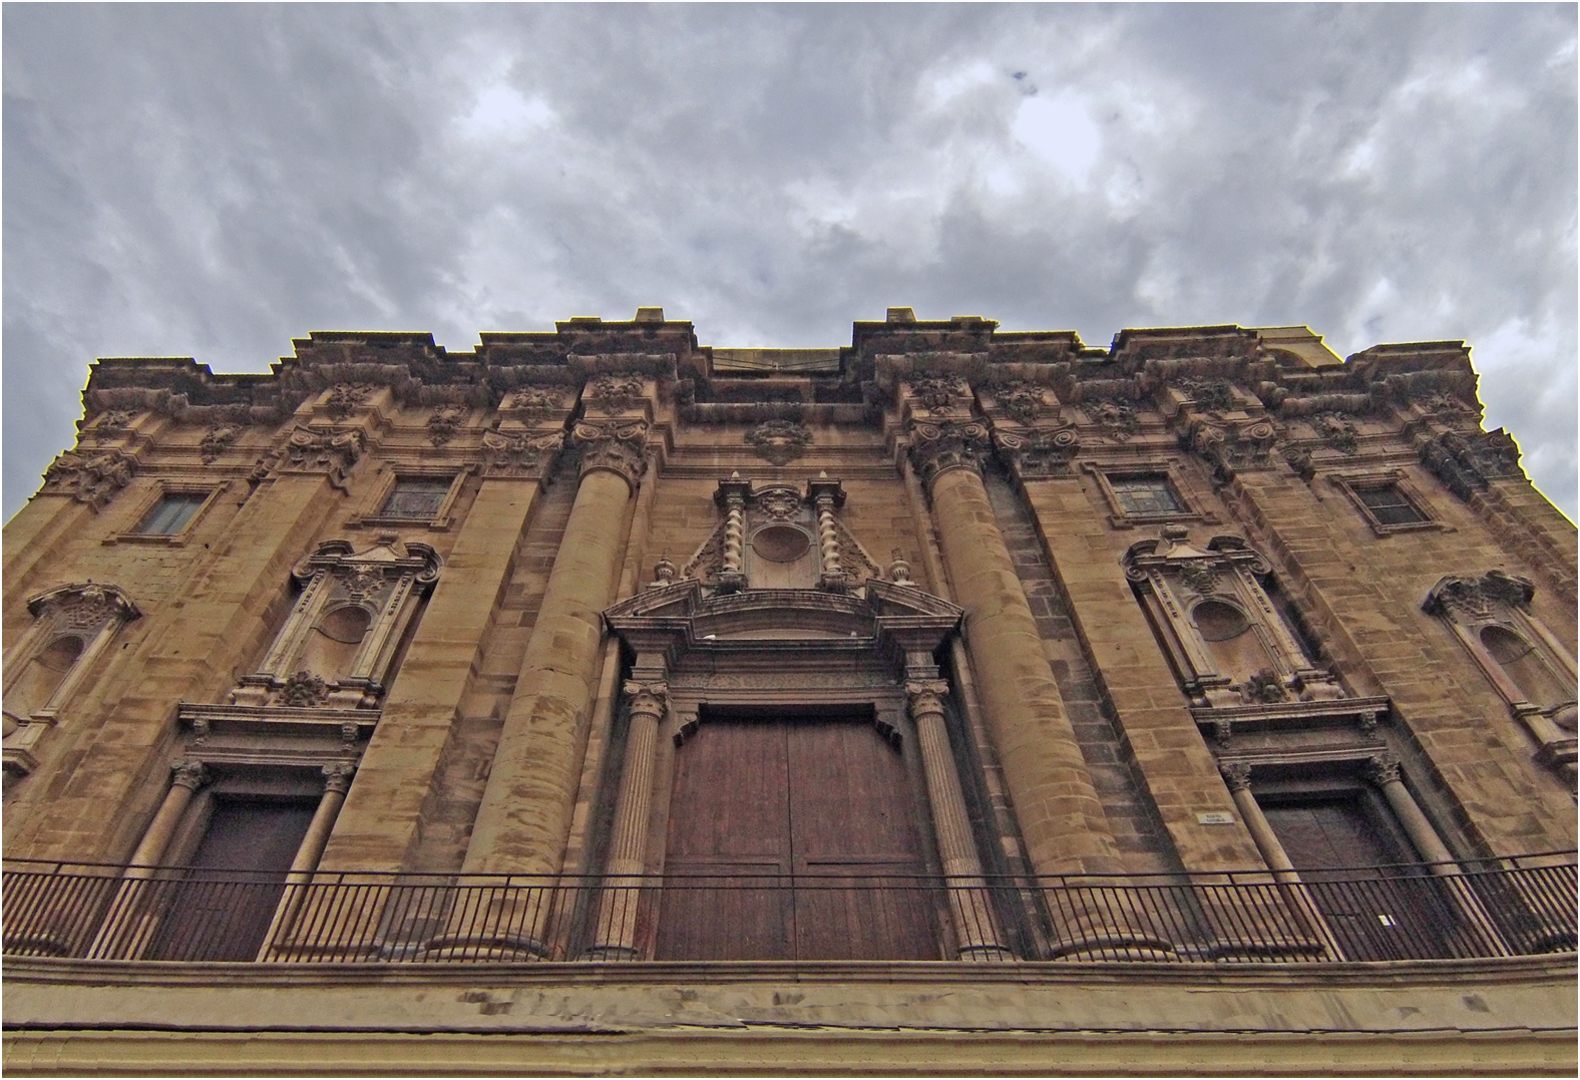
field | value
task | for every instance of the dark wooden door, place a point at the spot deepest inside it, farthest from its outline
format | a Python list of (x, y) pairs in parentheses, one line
[(222, 908), (794, 838), (1378, 907)]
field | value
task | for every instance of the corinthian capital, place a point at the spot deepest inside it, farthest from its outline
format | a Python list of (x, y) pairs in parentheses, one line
[(953, 444), (618, 446), (925, 696)]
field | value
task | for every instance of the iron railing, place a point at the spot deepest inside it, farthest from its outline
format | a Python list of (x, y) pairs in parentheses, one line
[(1508, 907)]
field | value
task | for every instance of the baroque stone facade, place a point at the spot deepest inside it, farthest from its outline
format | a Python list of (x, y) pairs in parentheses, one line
[(601, 681)]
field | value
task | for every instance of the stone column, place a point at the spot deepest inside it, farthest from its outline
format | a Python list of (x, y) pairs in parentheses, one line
[(129, 925), (1383, 771), (525, 814), (971, 905), (731, 496), (1063, 822), (1060, 815), (337, 781), (1237, 775), (827, 495), (615, 935)]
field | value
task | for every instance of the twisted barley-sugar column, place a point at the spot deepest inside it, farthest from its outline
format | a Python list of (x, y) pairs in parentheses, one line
[(525, 814)]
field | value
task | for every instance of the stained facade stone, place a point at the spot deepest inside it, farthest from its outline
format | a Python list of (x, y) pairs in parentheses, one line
[(1116, 613)]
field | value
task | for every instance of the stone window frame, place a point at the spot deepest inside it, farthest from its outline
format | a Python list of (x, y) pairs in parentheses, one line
[(368, 514), (1352, 483), (1467, 606), (54, 619), (1118, 517), (163, 487)]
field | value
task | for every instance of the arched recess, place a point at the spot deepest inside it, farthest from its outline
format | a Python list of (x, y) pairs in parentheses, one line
[(73, 624)]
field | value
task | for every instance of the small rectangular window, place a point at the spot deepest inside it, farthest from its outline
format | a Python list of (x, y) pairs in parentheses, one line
[(1389, 505), (416, 498), (171, 514), (1145, 495)]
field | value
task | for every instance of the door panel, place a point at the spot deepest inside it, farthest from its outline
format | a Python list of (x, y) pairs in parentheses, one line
[(820, 802), (1380, 911)]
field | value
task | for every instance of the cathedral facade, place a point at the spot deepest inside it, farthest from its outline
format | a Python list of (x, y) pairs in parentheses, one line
[(956, 700)]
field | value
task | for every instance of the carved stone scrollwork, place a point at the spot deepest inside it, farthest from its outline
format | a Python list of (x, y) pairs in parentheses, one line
[(1209, 395), (112, 425), (937, 448), (926, 696), (188, 774), (1263, 688), (216, 442), (533, 402), (338, 776), (1335, 429), (646, 698), (329, 452), (618, 446), (83, 607), (1478, 597), (345, 398), (1025, 403), (779, 441), (1231, 447), (1037, 455), (444, 423), (304, 690), (1236, 774), (89, 478), (528, 456), (614, 393), (1465, 465), (1383, 769), (1116, 421), (940, 395)]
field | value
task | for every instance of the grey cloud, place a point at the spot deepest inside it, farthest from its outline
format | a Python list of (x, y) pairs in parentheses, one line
[(215, 180)]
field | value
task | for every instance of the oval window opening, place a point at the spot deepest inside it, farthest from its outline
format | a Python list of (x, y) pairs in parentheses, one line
[(1218, 621), (780, 543)]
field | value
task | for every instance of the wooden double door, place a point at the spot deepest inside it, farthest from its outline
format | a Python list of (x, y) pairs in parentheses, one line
[(794, 837)]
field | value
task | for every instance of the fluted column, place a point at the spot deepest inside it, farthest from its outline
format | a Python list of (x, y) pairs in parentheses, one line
[(525, 814), (970, 906), (615, 936), (128, 927)]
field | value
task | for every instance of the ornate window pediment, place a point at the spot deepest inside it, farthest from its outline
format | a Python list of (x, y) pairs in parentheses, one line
[(1226, 639), (1529, 667)]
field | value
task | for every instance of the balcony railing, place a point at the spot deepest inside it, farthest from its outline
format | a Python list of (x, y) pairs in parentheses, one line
[(1509, 907)]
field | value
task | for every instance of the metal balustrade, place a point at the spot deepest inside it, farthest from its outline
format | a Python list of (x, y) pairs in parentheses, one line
[(1508, 907)]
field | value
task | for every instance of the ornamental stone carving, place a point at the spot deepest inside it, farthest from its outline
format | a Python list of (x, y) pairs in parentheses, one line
[(112, 425), (940, 395), (216, 442), (1233, 446), (1479, 597), (89, 478), (304, 690), (525, 455), (618, 446), (444, 423), (533, 402), (345, 398), (83, 607), (1039, 455), (937, 448), (1024, 402), (646, 698), (1116, 421), (1466, 464), (779, 441), (1209, 395), (1335, 429), (615, 393), (332, 453)]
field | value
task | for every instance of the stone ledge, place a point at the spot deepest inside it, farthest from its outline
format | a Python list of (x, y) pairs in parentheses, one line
[(780, 1051)]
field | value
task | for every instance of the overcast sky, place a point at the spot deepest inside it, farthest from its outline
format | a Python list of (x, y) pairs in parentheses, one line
[(211, 181)]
